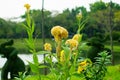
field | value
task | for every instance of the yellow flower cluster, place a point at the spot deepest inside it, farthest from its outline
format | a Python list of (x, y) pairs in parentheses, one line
[(62, 56), (59, 32), (77, 37), (27, 6), (72, 43), (82, 66), (47, 47)]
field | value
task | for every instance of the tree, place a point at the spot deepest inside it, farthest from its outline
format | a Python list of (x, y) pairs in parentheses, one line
[(104, 19), (99, 5)]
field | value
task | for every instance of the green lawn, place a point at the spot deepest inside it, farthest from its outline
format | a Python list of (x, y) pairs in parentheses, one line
[(116, 51), (113, 73), (20, 44)]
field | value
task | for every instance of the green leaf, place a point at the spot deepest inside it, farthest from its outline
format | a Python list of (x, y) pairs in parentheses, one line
[(26, 27), (34, 68), (42, 66), (79, 76), (35, 59), (72, 70), (29, 45), (28, 19), (81, 25), (33, 26), (67, 52), (82, 46), (43, 52)]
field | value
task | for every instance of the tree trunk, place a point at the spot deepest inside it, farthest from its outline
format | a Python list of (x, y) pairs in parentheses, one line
[(111, 29)]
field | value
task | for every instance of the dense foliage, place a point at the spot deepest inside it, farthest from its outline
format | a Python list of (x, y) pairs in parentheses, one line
[(98, 21)]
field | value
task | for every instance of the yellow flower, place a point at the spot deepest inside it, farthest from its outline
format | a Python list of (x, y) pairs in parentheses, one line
[(27, 6), (62, 56), (72, 43), (59, 32), (64, 33), (80, 69), (47, 47), (74, 53), (57, 38), (77, 37), (82, 66)]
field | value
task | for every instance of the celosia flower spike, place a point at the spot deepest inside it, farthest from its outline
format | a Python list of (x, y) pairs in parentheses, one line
[(27, 6), (72, 43), (59, 33), (47, 47), (62, 56), (77, 37)]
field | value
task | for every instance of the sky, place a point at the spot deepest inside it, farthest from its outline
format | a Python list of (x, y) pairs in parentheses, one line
[(15, 8)]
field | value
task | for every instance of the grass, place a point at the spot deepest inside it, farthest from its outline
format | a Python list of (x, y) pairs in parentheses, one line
[(116, 48), (113, 73), (116, 51), (20, 44)]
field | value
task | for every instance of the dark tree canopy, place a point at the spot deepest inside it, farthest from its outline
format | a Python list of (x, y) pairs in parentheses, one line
[(98, 17)]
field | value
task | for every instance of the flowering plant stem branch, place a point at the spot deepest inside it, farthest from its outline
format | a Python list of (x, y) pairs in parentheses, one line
[(58, 49), (29, 26)]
